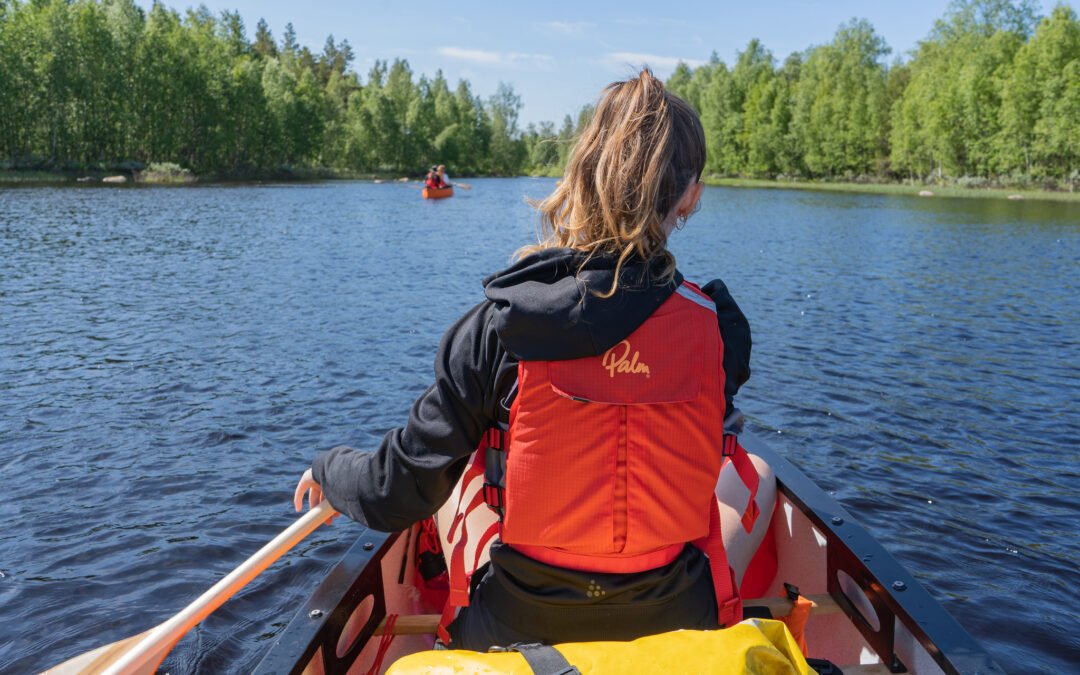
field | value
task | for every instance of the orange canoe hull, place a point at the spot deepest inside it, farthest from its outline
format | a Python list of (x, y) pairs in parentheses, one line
[(438, 193)]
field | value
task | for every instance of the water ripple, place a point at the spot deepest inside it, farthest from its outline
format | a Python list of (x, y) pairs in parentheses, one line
[(171, 359)]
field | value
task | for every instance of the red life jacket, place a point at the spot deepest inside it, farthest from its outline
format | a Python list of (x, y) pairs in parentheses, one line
[(612, 460)]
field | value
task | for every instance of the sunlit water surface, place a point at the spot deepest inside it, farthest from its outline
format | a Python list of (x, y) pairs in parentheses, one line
[(171, 359)]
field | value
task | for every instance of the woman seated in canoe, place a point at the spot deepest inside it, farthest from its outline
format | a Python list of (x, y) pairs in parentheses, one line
[(436, 178), (606, 377)]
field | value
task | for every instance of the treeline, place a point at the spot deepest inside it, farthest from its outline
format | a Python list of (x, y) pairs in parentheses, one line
[(105, 84), (992, 95)]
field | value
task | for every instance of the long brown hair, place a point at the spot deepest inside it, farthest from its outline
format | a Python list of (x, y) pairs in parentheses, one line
[(633, 161)]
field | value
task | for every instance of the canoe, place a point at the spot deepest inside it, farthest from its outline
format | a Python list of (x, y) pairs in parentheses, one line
[(437, 193), (869, 616)]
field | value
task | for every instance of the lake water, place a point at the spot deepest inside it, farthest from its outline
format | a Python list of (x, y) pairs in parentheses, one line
[(172, 358)]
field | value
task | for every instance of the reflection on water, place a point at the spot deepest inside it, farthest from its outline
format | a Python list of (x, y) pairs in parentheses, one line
[(170, 359)]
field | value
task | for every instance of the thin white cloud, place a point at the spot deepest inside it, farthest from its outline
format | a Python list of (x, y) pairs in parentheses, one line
[(490, 58), (471, 55), (568, 27), (623, 59), (650, 21)]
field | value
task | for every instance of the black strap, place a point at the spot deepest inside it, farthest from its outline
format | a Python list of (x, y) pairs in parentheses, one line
[(495, 470), (824, 667), (544, 660), (495, 456)]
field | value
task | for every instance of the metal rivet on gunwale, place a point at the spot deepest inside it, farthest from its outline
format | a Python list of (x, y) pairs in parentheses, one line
[(837, 520), (899, 586), (315, 613), (368, 546)]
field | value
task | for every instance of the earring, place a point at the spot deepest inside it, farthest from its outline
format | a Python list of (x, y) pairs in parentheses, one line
[(680, 221)]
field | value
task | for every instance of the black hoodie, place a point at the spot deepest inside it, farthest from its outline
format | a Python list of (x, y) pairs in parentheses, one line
[(541, 308)]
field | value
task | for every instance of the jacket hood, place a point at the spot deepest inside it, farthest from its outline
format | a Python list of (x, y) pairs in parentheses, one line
[(545, 309)]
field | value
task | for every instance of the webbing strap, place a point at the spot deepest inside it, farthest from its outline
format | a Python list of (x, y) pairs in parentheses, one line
[(544, 660), (748, 474), (384, 645), (495, 469), (728, 602), (799, 615)]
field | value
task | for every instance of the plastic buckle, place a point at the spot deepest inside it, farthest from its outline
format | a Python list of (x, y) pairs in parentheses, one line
[(792, 591), (496, 438), (729, 446), (493, 496), (728, 609)]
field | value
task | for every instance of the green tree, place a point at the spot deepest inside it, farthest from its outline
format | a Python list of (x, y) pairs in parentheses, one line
[(726, 137), (1040, 112), (23, 99), (840, 103), (543, 148), (264, 41), (771, 144), (681, 82), (507, 151), (99, 83), (948, 121), (473, 129)]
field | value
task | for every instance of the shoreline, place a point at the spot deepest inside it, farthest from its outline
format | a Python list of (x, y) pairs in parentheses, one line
[(131, 177), (902, 189), (56, 177)]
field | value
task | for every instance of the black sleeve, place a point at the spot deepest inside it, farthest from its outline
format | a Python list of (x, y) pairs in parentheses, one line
[(735, 332), (415, 468)]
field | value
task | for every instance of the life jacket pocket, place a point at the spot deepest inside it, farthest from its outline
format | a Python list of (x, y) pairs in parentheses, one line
[(657, 363)]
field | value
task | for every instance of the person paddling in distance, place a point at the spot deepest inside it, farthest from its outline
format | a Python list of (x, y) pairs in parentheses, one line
[(434, 179), (600, 378)]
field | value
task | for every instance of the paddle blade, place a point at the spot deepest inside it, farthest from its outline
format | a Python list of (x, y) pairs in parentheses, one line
[(141, 654), (97, 661)]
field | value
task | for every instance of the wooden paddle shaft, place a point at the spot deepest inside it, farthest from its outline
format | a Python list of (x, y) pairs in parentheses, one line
[(145, 654)]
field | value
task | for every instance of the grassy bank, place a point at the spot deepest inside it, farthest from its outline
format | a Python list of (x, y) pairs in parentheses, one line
[(899, 189), (15, 177), (9, 177), (154, 175), (174, 175)]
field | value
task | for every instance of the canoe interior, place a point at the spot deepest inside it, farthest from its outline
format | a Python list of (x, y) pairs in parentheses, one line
[(873, 617)]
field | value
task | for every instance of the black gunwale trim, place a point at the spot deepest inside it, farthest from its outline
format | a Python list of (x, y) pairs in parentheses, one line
[(952, 647), (356, 576)]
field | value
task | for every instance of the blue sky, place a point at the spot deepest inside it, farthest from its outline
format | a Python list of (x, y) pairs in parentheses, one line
[(558, 55)]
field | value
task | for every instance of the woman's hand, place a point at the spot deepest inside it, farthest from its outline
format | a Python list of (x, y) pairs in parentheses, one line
[(307, 484), (314, 494)]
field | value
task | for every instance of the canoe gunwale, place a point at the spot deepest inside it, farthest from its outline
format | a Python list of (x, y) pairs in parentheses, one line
[(849, 548), (895, 595), (317, 626)]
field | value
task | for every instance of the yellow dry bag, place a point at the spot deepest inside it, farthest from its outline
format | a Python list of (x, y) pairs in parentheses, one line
[(755, 646)]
